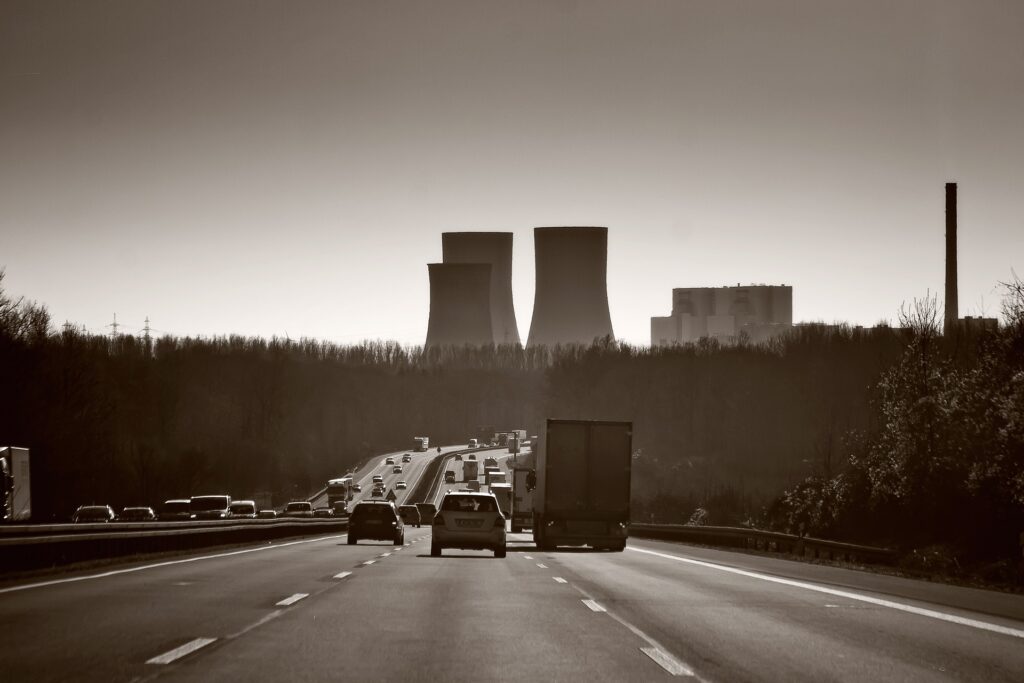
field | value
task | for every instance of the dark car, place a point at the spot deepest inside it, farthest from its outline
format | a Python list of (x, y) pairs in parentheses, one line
[(376, 520), (410, 514), (323, 512), (88, 514), (137, 514), (176, 510)]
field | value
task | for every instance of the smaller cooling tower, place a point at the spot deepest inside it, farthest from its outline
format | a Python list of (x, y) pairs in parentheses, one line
[(494, 248), (460, 304), (571, 298)]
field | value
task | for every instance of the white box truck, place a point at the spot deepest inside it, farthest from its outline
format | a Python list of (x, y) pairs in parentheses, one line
[(15, 484)]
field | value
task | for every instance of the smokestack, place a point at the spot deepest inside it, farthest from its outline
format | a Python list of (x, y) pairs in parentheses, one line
[(952, 307), (460, 304), (494, 248), (571, 300)]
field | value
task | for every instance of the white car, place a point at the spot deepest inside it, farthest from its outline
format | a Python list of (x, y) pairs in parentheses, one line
[(401, 485), (471, 521)]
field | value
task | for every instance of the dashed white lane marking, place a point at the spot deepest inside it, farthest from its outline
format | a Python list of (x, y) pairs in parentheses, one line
[(292, 599), (527, 557), (667, 661), (342, 575), (594, 606), (921, 611), (179, 652), (168, 563), (559, 579), (542, 566), (384, 555), (369, 562)]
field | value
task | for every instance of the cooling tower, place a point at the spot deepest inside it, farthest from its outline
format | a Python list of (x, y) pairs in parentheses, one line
[(494, 248), (460, 304), (570, 304)]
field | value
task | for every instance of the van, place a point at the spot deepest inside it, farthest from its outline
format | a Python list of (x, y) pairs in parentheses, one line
[(210, 507)]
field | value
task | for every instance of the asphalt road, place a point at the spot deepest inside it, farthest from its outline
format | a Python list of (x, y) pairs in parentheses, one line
[(319, 609)]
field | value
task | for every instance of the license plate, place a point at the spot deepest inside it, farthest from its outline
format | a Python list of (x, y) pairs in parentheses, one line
[(471, 523)]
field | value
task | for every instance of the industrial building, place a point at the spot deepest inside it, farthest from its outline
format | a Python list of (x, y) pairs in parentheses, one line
[(758, 312), (570, 303), (460, 304), (494, 248)]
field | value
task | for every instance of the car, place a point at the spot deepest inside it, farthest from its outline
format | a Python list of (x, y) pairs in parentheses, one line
[(473, 443), (210, 507), (469, 521), (243, 509), (358, 488), (397, 469), (267, 514), (298, 508), (323, 512), (176, 510), (389, 461), (449, 476), (410, 514), (378, 492), (458, 456), (472, 456), (375, 520), (407, 458), (137, 514), (401, 485), (378, 479), (473, 484), (89, 514), (427, 511)]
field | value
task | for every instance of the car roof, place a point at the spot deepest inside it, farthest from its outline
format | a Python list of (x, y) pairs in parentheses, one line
[(469, 493)]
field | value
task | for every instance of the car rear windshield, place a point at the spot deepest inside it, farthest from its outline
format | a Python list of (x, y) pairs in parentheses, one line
[(469, 504), (243, 509), (372, 511), (208, 503), (177, 506)]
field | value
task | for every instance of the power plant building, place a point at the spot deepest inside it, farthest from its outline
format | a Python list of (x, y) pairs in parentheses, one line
[(758, 312), (494, 248), (570, 303), (460, 304)]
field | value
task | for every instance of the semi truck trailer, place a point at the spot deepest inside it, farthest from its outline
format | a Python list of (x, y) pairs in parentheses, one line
[(583, 481)]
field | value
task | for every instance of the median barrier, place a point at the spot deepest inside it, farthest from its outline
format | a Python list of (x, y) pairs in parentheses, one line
[(61, 544), (769, 541)]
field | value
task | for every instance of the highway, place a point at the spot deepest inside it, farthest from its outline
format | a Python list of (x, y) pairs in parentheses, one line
[(319, 609)]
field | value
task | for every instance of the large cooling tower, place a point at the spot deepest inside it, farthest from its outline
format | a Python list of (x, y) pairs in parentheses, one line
[(571, 300), (460, 304), (494, 248)]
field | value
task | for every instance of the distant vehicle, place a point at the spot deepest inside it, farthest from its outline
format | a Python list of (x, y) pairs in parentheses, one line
[(378, 492), (397, 469), (473, 443), (267, 514), (210, 507), (90, 514), (389, 461), (323, 512), (471, 456), (421, 443), (490, 462), (358, 488), (376, 520), (427, 512), (470, 470), (298, 508), (583, 480), (401, 485), (469, 521), (503, 492), (137, 514), (378, 479), (176, 510), (522, 499), (494, 476), (458, 456), (339, 489), (340, 508), (243, 509), (410, 514), (473, 484), (449, 476), (406, 458)]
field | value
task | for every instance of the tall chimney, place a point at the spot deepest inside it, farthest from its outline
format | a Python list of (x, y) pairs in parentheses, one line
[(952, 309)]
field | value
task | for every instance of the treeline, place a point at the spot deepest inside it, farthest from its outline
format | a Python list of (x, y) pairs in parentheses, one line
[(719, 432)]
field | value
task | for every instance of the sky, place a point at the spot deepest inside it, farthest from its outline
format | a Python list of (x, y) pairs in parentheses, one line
[(287, 168)]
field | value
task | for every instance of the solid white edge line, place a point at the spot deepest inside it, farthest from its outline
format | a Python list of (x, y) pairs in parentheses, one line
[(559, 579), (920, 611), (168, 563), (292, 599), (593, 605), (179, 652), (342, 575), (667, 661)]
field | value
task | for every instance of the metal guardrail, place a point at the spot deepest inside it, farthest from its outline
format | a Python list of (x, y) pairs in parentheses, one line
[(770, 541), (60, 544)]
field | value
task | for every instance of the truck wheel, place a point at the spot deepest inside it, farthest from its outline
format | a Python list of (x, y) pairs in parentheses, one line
[(435, 550), (620, 547), (516, 529), (351, 539), (499, 552), (399, 540)]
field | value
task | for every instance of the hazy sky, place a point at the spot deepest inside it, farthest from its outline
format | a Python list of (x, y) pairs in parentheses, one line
[(288, 167)]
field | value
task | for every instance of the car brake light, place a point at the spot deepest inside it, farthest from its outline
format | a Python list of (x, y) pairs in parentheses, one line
[(439, 520)]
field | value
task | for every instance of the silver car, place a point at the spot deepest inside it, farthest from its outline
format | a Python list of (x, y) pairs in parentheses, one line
[(470, 521)]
